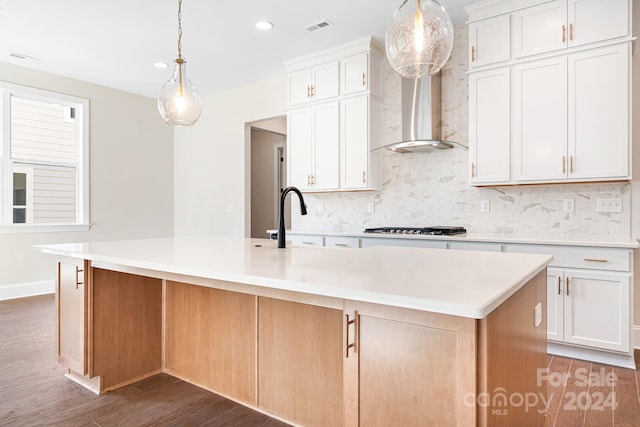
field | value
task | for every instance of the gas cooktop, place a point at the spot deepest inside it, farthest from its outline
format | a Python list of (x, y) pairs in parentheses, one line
[(432, 231)]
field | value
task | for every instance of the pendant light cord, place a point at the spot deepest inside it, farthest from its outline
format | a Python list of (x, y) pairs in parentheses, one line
[(179, 29)]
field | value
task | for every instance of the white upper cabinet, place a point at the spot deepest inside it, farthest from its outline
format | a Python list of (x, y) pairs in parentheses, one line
[(354, 150), (313, 84), (539, 29), (489, 129), (354, 74), (569, 94), (596, 20), (560, 24), (489, 41), (571, 116), (335, 123), (540, 120), (313, 149), (599, 99)]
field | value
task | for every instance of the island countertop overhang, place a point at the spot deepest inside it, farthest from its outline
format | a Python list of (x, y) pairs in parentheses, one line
[(461, 283)]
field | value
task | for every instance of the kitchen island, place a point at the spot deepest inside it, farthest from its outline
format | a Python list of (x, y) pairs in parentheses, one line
[(313, 336)]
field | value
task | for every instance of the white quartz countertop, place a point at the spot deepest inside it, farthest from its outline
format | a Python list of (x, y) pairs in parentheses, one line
[(462, 283), (490, 238)]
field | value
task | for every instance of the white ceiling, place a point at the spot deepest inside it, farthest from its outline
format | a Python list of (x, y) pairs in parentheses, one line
[(115, 43)]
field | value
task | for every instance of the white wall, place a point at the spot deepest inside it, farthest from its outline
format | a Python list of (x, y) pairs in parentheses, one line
[(211, 161), (131, 175)]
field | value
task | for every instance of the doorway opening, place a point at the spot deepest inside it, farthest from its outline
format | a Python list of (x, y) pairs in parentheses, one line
[(268, 175)]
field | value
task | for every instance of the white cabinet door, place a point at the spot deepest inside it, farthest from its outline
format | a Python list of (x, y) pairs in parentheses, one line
[(489, 41), (555, 308), (540, 29), (354, 142), (354, 74), (489, 128), (540, 120), (298, 87), (597, 310), (300, 146), (599, 99), (325, 81), (326, 156), (595, 20)]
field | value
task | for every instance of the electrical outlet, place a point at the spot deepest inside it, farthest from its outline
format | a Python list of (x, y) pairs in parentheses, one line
[(569, 205), (320, 207), (371, 208), (537, 315), (229, 208), (612, 204), (484, 206)]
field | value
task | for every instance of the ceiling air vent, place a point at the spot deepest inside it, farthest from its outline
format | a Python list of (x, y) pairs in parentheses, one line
[(318, 25), (22, 56)]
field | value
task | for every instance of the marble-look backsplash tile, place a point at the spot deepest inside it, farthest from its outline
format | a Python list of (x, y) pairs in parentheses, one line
[(421, 189)]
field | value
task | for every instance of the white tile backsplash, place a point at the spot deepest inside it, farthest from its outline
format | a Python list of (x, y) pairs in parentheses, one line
[(421, 189)]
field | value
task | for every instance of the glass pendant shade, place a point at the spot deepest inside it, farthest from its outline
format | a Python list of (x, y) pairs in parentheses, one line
[(419, 38), (179, 101)]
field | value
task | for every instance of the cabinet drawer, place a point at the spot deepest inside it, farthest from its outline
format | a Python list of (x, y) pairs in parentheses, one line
[(476, 246), (305, 240), (613, 259), (341, 242), (414, 243)]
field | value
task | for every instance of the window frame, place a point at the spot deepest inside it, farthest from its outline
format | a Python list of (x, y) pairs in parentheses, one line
[(82, 120)]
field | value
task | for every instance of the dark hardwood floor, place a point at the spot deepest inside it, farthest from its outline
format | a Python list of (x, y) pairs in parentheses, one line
[(34, 392)]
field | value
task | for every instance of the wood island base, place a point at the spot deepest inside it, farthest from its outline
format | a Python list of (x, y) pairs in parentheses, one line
[(307, 360)]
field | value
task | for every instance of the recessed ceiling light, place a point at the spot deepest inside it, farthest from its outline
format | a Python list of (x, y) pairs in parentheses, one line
[(264, 25), (160, 64)]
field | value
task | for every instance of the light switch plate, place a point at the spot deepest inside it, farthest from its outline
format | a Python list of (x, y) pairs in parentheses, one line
[(229, 208), (320, 207), (484, 206), (371, 208), (537, 312)]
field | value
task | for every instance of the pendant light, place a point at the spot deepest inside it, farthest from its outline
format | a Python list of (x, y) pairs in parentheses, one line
[(179, 102), (419, 38)]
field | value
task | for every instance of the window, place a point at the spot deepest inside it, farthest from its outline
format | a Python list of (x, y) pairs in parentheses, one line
[(43, 160)]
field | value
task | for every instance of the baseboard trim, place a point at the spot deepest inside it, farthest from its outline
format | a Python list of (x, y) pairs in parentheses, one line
[(622, 360), (28, 289), (636, 336)]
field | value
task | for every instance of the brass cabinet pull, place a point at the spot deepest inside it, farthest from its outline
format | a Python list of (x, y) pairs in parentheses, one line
[(564, 32), (78, 282), (364, 81), (473, 170), (364, 177), (308, 91), (308, 180), (570, 164), (313, 180), (312, 88), (559, 280), (571, 32), (595, 260), (353, 344), (564, 164), (473, 54), (567, 286)]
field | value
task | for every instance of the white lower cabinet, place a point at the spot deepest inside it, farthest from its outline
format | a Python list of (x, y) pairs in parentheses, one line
[(588, 295)]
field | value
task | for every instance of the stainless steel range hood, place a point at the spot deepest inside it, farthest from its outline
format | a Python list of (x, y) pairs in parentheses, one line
[(421, 117)]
